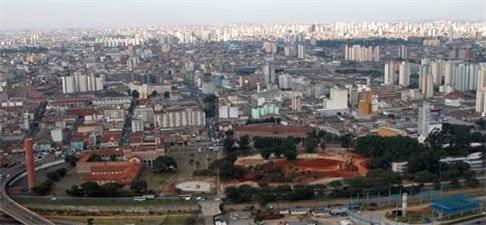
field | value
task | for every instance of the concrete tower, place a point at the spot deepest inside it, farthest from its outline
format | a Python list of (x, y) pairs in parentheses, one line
[(29, 163)]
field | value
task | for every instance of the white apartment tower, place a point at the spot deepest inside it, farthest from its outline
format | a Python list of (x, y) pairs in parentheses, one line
[(427, 85), (404, 74), (481, 91)]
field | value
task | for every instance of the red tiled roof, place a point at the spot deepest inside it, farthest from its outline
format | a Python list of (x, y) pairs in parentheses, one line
[(110, 136)]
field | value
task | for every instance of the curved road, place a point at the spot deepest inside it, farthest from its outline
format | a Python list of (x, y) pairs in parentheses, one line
[(14, 209)]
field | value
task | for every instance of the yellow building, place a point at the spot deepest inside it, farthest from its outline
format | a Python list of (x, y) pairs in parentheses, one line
[(389, 132)]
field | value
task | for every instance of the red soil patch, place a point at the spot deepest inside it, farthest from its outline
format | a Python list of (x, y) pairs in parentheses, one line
[(319, 164)]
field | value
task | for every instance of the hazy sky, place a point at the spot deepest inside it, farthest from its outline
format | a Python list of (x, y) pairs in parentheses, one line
[(15, 14)]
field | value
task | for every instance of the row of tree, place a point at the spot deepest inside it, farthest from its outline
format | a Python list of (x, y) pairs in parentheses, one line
[(278, 147), (92, 189)]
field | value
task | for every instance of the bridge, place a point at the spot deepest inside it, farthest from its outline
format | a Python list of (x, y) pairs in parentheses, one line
[(14, 209)]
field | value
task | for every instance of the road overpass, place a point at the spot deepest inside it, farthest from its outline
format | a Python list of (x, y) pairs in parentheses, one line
[(14, 209)]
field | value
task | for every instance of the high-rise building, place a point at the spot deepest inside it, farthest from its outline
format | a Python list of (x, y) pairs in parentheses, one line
[(268, 71), (449, 68), (404, 74), (338, 99), (82, 83), (427, 85), (465, 77), (391, 73), (360, 53), (436, 69), (429, 118), (402, 52), (481, 91), (296, 103), (29, 163), (365, 103), (301, 51), (283, 81)]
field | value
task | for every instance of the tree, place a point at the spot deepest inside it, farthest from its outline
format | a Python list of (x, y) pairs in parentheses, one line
[(110, 190), (424, 177), (44, 188), (164, 164), (346, 140), (244, 142), (227, 170), (166, 94), (290, 154), (91, 189), (310, 144), (482, 123), (71, 160), (153, 94), (74, 191), (335, 184), (56, 175), (266, 153), (138, 186), (210, 105), (135, 94)]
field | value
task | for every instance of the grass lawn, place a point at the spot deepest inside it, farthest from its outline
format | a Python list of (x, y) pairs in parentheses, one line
[(155, 180), (176, 220), (112, 220), (116, 220)]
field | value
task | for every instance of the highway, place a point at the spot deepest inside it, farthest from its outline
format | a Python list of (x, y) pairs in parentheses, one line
[(12, 208)]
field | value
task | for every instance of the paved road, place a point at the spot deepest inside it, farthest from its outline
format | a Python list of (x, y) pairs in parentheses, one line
[(479, 221), (13, 209)]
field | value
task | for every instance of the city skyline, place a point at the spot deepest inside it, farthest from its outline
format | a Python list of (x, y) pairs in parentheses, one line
[(24, 14)]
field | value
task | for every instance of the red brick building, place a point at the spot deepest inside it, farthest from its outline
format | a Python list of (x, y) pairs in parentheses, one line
[(112, 168)]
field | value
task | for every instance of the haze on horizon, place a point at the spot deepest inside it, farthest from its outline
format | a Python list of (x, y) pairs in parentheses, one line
[(34, 14)]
